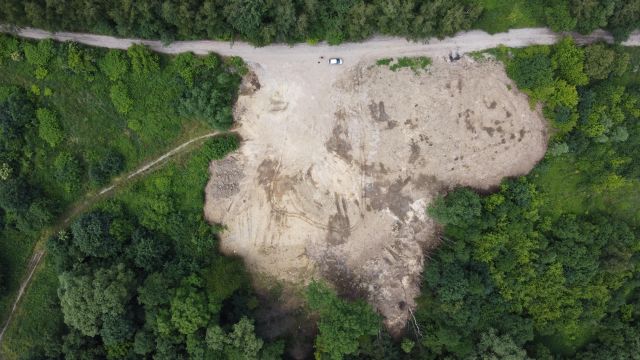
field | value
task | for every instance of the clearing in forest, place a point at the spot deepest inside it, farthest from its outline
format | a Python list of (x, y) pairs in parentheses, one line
[(339, 164)]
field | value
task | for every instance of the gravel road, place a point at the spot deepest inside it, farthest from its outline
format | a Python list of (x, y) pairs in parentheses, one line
[(376, 47)]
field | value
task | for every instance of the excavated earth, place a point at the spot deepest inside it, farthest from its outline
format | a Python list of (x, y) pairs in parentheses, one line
[(339, 164)]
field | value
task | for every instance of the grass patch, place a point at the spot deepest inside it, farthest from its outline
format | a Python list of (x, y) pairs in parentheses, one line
[(38, 321), (502, 15), (15, 251), (414, 63)]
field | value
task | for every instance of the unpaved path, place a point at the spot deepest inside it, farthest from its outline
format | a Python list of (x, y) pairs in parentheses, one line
[(378, 46), (80, 207)]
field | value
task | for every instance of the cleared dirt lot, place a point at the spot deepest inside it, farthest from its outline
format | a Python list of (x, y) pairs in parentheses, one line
[(339, 164)]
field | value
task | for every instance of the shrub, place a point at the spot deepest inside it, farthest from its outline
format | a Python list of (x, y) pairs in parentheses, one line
[(185, 65), (80, 61), (221, 145), (531, 71), (41, 73), (49, 128), (40, 54), (8, 46), (143, 61), (110, 164), (35, 90), (68, 171), (114, 65), (120, 98)]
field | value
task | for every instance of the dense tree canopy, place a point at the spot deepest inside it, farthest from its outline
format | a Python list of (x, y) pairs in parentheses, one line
[(264, 22)]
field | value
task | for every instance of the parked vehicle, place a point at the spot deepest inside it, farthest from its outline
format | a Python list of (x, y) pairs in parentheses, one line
[(335, 61)]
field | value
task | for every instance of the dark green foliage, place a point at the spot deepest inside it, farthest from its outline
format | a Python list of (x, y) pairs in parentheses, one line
[(463, 208), (210, 97), (531, 71), (68, 171), (15, 195), (149, 252), (592, 14), (259, 22), (342, 324), (39, 54), (91, 235), (547, 266), (558, 16), (143, 61), (600, 61), (221, 145), (114, 65), (108, 165)]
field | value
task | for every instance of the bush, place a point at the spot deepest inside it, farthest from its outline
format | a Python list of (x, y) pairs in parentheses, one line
[(114, 65), (8, 46), (219, 146), (49, 127), (143, 61), (68, 171), (39, 54), (110, 164), (531, 71), (120, 98)]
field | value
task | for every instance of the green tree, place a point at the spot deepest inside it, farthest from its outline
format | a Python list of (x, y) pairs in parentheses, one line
[(91, 235), (110, 164), (568, 60), (558, 16), (499, 347), (189, 307), (591, 14), (460, 208), (599, 61), (341, 324), (87, 300), (49, 128), (531, 71)]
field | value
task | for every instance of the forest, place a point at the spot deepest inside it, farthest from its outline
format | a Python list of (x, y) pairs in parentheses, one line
[(546, 266), (266, 21), (72, 119)]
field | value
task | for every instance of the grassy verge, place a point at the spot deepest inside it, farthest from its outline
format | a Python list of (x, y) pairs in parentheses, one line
[(502, 15), (414, 63), (38, 321)]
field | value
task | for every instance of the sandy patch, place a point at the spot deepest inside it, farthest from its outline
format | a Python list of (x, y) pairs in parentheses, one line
[(339, 164)]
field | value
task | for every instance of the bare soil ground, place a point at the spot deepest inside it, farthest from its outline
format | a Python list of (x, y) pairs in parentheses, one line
[(339, 164)]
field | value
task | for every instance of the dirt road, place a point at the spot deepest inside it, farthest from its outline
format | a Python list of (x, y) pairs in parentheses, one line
[(376, 47)]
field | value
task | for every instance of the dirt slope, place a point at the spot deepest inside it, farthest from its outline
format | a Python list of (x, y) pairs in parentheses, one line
[(339, 164)]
